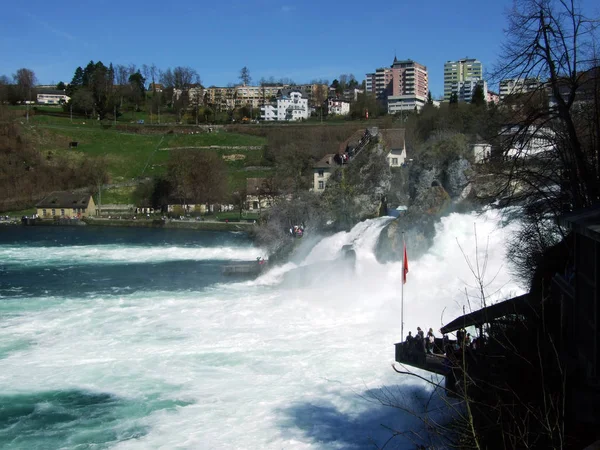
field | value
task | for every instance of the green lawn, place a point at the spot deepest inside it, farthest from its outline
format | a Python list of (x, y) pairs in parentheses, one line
[(128, 155), (122, 195), (237, 178), (132, 155), (18, 214), (222, 138)]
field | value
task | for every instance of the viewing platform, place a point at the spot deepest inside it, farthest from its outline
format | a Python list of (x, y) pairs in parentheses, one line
[(245, 268), (408, 354)]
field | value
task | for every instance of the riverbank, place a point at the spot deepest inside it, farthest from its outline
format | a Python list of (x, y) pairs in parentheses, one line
[(205, 225)]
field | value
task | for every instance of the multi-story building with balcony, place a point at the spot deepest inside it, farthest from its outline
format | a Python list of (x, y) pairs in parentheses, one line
[(290, 106), (228, 98), (518, 86), (466, 89), (52, 96), (458, 76), (402, 87), (337, 106)]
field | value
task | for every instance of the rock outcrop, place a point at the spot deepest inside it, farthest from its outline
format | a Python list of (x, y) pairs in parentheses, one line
[(417, 224), (457, 177)]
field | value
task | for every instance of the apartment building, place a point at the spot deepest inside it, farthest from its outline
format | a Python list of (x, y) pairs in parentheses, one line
[(459, 76), (227, 98), (512, 86), (290, 106), (402, 87), (339, 107), (466, 89), (51, 96)]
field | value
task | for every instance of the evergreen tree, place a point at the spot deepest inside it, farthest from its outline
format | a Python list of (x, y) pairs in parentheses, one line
[(76, 82), (478, 96), (87, 73), (429, 98), (138, 83), (245, 76)]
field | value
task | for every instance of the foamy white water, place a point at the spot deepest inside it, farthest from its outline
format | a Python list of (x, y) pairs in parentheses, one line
[(116, 254), (254, 365)]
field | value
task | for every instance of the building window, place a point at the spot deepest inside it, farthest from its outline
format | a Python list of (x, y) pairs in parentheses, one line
[(74, 211), (62, 212), (43, 212), (53, 212), (321, 185), (394, 161)]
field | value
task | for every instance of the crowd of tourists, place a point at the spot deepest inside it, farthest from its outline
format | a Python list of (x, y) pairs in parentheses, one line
[(297, 231), (420, 341), (426, 343)]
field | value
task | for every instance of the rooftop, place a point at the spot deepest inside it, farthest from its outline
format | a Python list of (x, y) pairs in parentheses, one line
[(325, 162), (255, 184), (393, 138), (515, 306), (64, 199), (584, 221)]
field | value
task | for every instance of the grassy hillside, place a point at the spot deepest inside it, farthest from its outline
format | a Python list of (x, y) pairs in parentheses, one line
[(131, 156), (133, 152)]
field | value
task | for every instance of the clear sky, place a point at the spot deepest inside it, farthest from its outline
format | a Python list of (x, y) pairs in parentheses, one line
[(298, 39)]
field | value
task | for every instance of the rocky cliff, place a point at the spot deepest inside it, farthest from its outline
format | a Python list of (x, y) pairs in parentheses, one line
[(437, 184), (417, 224)]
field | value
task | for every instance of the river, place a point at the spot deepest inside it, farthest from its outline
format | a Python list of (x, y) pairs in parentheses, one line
[(134, 339)]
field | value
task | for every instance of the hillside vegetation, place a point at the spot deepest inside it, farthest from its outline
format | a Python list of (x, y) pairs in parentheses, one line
[(121, 155)]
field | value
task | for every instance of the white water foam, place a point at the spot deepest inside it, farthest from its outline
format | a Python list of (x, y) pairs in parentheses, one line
[(265, 366), (118, 254)]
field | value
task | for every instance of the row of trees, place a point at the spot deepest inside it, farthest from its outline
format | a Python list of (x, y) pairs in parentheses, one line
[(101, 90), (19, 88)]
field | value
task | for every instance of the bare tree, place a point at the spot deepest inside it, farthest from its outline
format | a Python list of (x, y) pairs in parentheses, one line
[(197, 176), (183, 77), (122, 74), (167, 79), (553, 42), (145, 70), (4, 86), (25, 80), (320, 88)]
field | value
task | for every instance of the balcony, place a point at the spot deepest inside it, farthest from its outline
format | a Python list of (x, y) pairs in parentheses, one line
[(409, 355)]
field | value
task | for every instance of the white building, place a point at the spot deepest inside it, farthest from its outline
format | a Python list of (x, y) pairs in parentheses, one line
[(518, 86), (525, 143), (482, 151), (394, 143), (465, 89), (322, 171), (338, 107), (52, 97), (351, 95), (290, 106), (397, 103)]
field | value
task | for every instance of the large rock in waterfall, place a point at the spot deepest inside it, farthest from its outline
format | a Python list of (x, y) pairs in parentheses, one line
[(457, 177), (417, 224)]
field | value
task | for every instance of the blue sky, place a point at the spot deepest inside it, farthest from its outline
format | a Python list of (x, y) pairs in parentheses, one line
[(299, 39)]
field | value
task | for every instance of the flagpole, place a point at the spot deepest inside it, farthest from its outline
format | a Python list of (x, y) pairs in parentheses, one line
[(402, 292)]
